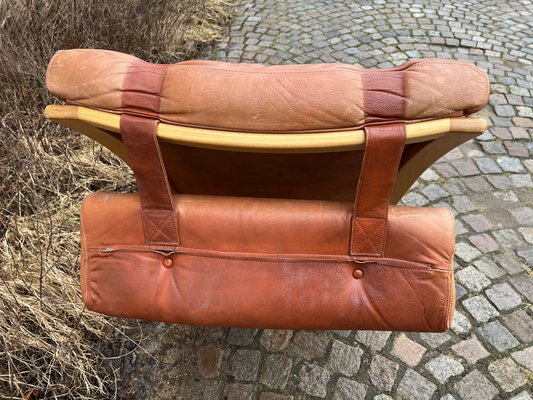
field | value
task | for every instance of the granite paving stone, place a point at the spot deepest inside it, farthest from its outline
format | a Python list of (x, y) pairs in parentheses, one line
[(477, 222), (274, 340), (276, 371), (489, 268), (407, 350), (460, 323), (313, 380), (503, 296), (348, 389), (484, 243), (507, 238), (475, 386), (383, 372), (375, 340), (506, 372), (344, 358), (524, 357), (244, 364), (524, 285), (498, 336), (463, 204), (520, 324), (241, 337), (209, 360), (471, 350), (480, 308), (473, 279), (415, 386), (444, 367), (239, 391), (434, 340), (466, 252), (309, 345), (511, 264)]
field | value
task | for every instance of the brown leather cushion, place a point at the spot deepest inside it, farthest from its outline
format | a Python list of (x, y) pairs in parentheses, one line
[(285, 98)]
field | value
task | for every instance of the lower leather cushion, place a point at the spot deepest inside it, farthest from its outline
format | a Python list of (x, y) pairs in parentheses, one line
[(256, 98), (268, 263)]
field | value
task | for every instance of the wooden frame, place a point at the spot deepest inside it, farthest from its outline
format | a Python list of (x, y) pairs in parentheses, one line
[(434, 139)]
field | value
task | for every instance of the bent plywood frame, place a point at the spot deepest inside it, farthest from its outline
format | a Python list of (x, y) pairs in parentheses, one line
[(85, 120), (428, 140)]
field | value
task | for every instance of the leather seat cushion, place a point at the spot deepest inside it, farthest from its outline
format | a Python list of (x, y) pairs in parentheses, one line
[(257, 98)]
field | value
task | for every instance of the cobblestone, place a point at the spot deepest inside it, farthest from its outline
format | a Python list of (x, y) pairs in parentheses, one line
[(313, 380), (345, 359), (460, 323), (209, 360), (480, 308), (472, 279), (521, 324), (415, 386), (524, 357), (276, 371), (274, 340), (498, 336), (475, 386), (382, 372), (407, 350), (347, 389), (245, 365), (444, 367), (471, 350), (503, 296), (507, 374), (309, 345), (239, 391), (375, 340), (241, 337)]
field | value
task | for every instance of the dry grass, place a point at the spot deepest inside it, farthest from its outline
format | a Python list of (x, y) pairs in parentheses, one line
[(49, 346)]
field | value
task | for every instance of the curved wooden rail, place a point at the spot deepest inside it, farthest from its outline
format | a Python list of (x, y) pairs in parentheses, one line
[(94, 124)]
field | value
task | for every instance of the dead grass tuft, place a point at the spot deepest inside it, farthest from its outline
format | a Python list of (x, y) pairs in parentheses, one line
[(49, 346)]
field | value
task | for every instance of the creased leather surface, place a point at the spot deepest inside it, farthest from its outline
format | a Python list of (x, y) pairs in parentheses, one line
[(249, 97), (268, 263)]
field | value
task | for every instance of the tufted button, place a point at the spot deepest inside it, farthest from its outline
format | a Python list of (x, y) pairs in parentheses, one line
[(358, 274), (167, 262)]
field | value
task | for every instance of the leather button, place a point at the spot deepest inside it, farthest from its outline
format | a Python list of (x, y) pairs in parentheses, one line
[(167, 262), (358, 274)]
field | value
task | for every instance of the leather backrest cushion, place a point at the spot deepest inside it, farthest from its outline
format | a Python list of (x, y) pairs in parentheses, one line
[(252, 97)]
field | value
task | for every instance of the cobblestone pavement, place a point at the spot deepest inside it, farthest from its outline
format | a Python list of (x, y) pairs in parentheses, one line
[(488, 352)]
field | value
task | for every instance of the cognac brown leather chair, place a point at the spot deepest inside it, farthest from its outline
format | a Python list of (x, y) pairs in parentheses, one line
[(292, 131)]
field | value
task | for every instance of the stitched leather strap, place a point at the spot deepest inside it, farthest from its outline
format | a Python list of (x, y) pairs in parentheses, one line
[(158, 215), (381, 160)]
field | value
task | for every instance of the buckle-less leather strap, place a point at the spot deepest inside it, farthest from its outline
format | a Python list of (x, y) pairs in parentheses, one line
[(158, 215), (383, 152)]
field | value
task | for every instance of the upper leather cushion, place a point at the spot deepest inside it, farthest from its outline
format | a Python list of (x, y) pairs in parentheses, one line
[(252, 97)]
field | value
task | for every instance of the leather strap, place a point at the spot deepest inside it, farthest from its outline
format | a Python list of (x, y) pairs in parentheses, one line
[(383, 151), (158, 214)]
